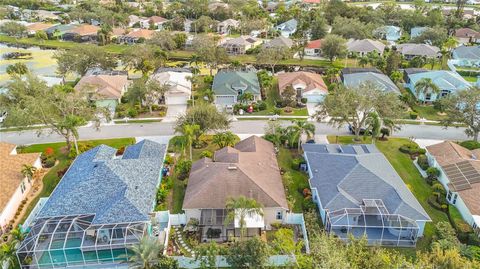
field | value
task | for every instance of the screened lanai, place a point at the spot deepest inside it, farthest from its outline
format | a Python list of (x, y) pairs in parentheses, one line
[(373, 220), (73, 241)]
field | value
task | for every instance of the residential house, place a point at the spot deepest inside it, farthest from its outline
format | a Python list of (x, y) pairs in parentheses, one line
[(460, 175), (240, 45), (448, 82), (81, 33), (248, 169), (33, 28), (280, 41), (103, 205), (287, 28), (136, 36), (364, 46), (353, 77), (178, 82), (154, 21), (389, 33), (57, 31), (417, 31), (313, 48), (226, 26), (467, 35), (411, 50), (229, 85), (358, 193), (106, 88), (15, 186), (134, 20), (307, 85), (467, 56)]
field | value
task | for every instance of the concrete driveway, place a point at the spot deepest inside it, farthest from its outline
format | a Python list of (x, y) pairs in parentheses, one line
[(174, 111)]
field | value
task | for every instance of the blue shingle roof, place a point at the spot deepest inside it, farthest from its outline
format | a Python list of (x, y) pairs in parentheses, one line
[(115, 190), (345, 175)]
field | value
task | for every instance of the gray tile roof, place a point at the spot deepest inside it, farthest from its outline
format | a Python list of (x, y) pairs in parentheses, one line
[(365, 46), (280, 41), (412, 49), (226, 82), (115, 189), (467, 52), (344, 175), (381, 80)]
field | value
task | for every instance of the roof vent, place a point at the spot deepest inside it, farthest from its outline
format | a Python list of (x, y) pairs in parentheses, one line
[(232, 168)]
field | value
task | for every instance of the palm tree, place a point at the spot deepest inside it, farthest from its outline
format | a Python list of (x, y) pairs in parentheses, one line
[(450, 43), (146, 254), (8, 256), (240, 208), (28, 171), (332, 74), (374, 124), (298, 129), (245, 97), (425, 86), (189, 132)]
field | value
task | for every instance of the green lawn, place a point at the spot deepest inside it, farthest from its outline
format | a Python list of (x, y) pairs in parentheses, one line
[(412, 178), (470, 78), (428, 112), (50, 180), (294, 180)]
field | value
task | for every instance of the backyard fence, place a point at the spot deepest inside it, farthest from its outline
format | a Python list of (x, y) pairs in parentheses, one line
[(297, 219), (178, 219)]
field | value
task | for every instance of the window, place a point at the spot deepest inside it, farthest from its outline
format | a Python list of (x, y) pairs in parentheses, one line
[(279, 215), (428, 96), (449, 195), (22, 187), (454, 198)]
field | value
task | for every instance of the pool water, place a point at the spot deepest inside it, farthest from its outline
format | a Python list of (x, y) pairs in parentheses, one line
[(73, 255)]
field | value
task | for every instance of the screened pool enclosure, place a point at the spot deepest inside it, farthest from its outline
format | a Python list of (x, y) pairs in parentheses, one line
[(73, 241), (373, 220)]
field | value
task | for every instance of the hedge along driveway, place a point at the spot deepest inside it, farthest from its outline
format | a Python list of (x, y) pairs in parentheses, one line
[(412, 178)]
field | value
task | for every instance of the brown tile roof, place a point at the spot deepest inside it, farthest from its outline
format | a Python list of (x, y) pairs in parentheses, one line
[(249, 169), (466, 32), (106, 86), (463, 170), (145, 33), (448, 152), (10, 172), (311, 80), (39, 26), (157, 19), (117, 31), (85, 29)]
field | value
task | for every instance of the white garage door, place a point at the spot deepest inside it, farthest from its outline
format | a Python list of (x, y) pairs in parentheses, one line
[(176, 100), (224, 100), (314, 98)]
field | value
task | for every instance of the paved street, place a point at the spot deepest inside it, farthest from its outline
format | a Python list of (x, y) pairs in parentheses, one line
[(239, 127)]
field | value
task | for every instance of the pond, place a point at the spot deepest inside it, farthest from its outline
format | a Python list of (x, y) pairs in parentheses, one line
[(41, 61)]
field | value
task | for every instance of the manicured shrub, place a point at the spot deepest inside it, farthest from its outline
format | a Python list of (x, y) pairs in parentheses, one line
[(132, 112), (433, 173), (413, 115), (261, 105), (183, 169), (422, 161), (296, 163), (207, 154), (304, 100), (470, 144), (48, 162)]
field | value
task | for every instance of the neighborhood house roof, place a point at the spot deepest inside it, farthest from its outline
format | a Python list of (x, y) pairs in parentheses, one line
[(389, 32), (365, 46), (418, 49), (380, 80), (314, 44), (84, 30), (239, 41), (311, 81), (280, 41), (141, 33), (39, 26), (105, 86), (229, 82), (417, 31), (61, 28), (10, 172), (178, 81), (445, 80), (157, 19), (115, 190), (462, 169), (229, 22), (288, 26), (248, 169), (467, 52), (466, 33), (345, 175)]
